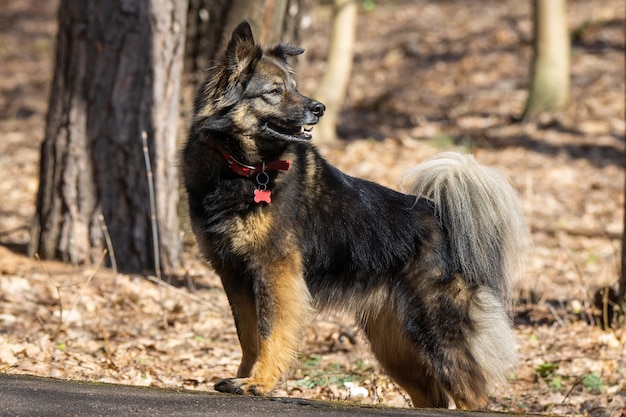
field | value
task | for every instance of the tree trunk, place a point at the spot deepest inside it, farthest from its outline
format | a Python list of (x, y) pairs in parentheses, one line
[(210, 23), (297, 22), (206, 20), (265, 17), (550, 75), (117, 74), (332, 89)]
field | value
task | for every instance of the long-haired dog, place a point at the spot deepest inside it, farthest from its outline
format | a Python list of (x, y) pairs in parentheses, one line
[(427, 274)]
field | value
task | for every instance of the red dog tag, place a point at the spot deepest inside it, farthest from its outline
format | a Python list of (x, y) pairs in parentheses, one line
[(262, 195)]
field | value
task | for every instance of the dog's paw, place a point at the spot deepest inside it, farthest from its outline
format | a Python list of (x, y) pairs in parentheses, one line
[(241, 386)]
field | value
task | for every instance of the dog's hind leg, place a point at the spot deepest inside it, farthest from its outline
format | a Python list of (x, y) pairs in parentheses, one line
[(440, 318), (433, 337), (401, 359), (282, 310)]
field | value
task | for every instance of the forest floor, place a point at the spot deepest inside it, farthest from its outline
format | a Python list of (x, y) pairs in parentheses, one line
[(427, 76)]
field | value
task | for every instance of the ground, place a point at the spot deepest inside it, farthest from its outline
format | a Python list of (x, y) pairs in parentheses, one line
[(428, 76)]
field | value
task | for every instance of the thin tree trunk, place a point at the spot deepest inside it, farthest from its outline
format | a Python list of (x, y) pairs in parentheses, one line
[(332, 89), (550, 75), (622, 281), (117, 74)]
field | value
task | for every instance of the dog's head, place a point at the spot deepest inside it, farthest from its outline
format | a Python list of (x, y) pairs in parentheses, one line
[(250, 92)]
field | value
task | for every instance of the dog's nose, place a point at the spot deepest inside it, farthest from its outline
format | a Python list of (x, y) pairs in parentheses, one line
[(318, 108)]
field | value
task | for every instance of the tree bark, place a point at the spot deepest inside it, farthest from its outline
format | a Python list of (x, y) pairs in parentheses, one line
[(332, 89), (297, 23), (117, 74), (550, 74), (206, 20), (265, 17), (210, 23)]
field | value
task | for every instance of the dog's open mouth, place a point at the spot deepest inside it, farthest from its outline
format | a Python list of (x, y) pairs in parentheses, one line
[(291, 132)]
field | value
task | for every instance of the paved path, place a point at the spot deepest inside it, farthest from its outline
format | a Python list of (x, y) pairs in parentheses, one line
[(27, 396)]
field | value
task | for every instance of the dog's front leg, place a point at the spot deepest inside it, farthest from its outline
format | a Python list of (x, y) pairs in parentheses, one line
[(243, 307), (283, 309), (240, 292)]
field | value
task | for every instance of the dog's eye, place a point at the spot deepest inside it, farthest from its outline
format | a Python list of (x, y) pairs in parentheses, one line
[(275, 92)]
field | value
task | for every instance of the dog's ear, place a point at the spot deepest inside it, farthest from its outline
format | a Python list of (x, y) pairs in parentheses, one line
[(240, 58), (283, 51), (241, 51)]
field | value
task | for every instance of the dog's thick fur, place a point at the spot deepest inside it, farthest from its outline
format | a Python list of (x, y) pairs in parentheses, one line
[(427, 274)]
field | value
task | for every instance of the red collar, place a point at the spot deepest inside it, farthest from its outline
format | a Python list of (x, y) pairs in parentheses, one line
[(249, 170)]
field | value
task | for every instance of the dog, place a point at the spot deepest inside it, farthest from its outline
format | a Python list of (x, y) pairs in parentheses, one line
[(427, 272)]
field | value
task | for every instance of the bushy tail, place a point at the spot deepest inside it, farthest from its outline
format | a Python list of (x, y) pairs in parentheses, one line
[(488, 238), (482, 215)]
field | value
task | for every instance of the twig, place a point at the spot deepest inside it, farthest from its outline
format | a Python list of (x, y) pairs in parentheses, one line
[(586, 292), (376, 393), (605, 307), (82, 290), (58, 288), (109, 351), (109, 243), (556, 315), (153, 219), (60, 324), (574, 385)]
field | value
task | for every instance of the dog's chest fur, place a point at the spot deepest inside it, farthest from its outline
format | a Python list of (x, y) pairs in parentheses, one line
[(224, 213)]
